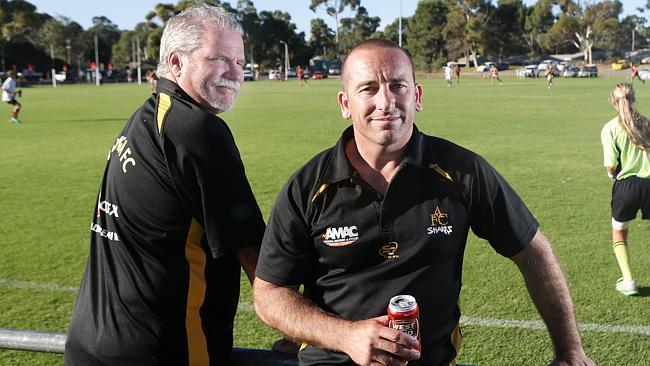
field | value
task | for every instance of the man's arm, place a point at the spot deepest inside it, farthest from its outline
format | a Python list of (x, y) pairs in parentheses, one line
[(248, 261), (367, 342), (550, 294)]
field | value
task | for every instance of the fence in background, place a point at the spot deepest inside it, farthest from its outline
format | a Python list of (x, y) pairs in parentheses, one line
[(35, 341)]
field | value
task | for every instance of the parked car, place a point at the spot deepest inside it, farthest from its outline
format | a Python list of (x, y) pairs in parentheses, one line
[(60, 76), (644, 74), (531, 71), (334, 71), (317, 75), (249, 75), (588, 71), (620, 65), (30, 75), (486, 66), (570, 71), (291, 72), (275, 75)]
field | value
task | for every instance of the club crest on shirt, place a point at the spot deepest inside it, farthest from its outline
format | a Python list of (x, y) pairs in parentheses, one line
[(389, 251), (340, 236), (439, 223)]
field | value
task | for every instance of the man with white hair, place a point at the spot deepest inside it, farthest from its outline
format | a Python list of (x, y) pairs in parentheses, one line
[(175, 218)]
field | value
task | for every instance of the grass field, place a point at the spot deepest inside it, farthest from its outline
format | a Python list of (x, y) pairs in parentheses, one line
[(545, 142)]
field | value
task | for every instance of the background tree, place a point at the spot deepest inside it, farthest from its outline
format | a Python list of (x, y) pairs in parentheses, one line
[(321, 39), (602, 17), (391, 31), (18, 20), (538, 21), (334, 8), (454, 34), (107, 34), (508, 23), (355, 30), (425, 34)]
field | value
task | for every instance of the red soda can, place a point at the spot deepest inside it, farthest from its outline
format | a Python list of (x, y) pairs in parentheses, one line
[(404, 315)]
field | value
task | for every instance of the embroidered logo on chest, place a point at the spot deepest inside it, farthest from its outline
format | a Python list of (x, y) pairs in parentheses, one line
[(340, 236), (439, 223)]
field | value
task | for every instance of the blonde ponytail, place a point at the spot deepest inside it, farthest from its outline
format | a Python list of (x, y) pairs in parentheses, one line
[(635, 125)]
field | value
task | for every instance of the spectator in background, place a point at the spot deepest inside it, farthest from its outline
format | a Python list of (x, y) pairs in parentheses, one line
[(9, 96), (626, 146)]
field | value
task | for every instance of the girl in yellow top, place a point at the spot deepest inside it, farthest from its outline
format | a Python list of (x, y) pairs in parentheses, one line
[(626, 146)]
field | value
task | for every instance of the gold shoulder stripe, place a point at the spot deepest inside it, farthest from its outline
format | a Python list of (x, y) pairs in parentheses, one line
[(456, 340), (441, 171), (164, 103), (319, 191)]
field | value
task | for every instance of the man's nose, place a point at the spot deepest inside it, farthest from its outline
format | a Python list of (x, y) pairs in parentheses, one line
[(385, 99)]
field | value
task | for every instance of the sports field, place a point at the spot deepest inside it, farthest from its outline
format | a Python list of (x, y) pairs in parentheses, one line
[(545, 142)]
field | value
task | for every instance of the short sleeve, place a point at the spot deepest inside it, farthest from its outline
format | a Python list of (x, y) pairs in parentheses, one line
[(287, 248), (208, 173), (611, 152), (497, 213)]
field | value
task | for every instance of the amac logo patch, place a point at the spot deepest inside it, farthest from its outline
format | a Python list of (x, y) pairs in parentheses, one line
[(340, 236)]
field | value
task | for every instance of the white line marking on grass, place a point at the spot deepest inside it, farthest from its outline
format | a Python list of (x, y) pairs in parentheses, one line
[(464, 320), (538, 324), (36, 286)]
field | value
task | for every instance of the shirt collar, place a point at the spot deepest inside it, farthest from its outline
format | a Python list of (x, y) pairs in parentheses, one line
[(418, 153), (169, 87)]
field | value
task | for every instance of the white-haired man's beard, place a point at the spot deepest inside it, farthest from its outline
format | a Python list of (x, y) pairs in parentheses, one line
[(220, 102)]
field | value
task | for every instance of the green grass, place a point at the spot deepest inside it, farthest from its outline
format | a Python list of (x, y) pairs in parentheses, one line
[(546, 143)]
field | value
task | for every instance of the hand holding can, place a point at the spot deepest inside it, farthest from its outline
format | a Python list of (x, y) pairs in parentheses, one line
[(404, 315)]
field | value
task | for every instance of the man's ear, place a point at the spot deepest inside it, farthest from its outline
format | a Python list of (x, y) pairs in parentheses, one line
[(175, 62), (418, 97), (344, 104)]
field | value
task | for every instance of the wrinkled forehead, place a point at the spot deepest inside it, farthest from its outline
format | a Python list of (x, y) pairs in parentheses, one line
[(377, 64)]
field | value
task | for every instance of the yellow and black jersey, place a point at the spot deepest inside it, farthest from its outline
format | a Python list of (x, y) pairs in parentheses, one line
[(161, 284), (354, 248)]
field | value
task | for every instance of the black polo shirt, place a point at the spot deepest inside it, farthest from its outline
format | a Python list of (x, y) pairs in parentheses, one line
[(161, 284), (354, 248)]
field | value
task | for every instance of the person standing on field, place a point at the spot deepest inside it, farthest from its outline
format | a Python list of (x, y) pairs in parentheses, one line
[(626, 147), (175, 219), (9, 96), (386, 212)]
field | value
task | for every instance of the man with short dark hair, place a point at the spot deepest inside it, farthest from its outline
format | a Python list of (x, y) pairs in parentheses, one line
[(175, 219), (387, 212)]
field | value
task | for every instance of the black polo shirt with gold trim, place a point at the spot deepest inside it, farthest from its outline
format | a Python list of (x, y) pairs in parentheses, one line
[(354, 248), (161, 284)]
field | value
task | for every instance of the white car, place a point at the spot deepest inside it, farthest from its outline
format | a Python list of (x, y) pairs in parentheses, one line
[(248, 75), (588, 71), (644, 74), (570, 72), (531, 71), (275, 75)]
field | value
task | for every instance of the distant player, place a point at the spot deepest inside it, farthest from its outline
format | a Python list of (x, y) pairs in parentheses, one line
[(9, 96), (635, 74), (457, 73), (626, 146), (448, 75), (494, 74), (301, 76), (550, 74)]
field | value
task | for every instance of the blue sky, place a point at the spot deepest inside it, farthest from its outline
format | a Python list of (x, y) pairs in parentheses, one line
[(127, 13)]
